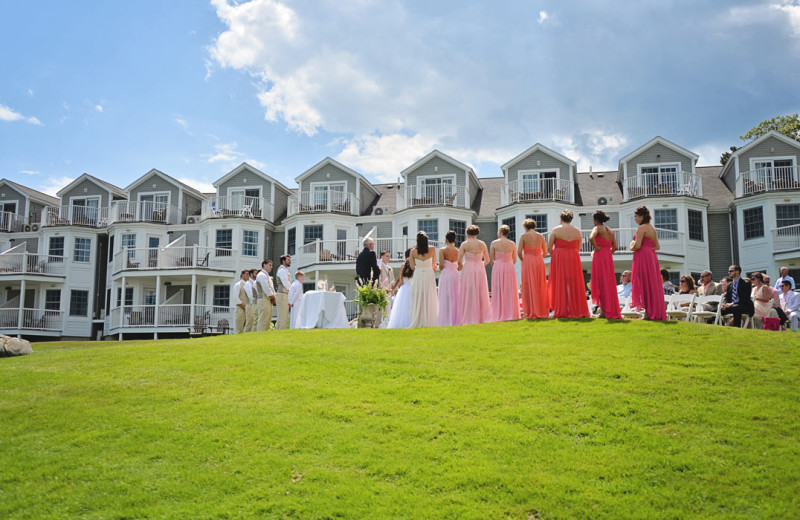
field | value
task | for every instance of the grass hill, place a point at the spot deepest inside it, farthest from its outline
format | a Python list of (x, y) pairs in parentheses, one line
[(527, 420)]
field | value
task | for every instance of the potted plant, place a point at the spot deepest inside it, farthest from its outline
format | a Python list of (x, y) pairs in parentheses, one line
[(371, 300)]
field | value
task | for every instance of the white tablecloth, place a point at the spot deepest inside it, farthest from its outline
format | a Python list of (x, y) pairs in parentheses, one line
[(322, 310)]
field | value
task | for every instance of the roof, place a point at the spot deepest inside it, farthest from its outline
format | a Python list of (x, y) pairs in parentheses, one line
[(656, 140), (717, 193), (772, 133), (245, 166), (591, 187), (326, 161), (168, 178), (31, 193), (542, 148), (446, 158), (114, 190), (488, 199), (386, 199)]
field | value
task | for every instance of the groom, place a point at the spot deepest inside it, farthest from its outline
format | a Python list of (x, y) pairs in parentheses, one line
[(367, 270)]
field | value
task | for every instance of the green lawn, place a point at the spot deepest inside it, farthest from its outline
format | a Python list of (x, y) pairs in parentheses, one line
[(548, 419)]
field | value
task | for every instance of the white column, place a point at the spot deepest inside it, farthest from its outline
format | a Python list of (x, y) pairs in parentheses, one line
[(194, 296), (158, 302), (21, 301), (122, 307)]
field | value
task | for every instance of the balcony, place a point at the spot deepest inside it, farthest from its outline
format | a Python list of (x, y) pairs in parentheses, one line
[(238, 206), (671, 242), (662, 185), (346, 251), (32, 263), (538, 190), (71, 215), (425, 195), (43, 322), (12, 223), (170, 258), (323, 201), (170, 318), (145, 211), (785, 239), (778, 178)]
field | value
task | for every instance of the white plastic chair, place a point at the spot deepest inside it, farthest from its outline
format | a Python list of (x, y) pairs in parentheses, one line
[(246, 211), (627, 312), (677, 311), (701, 315), (214, 211)]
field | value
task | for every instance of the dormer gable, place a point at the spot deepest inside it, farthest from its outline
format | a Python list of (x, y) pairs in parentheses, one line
[(654, 152)]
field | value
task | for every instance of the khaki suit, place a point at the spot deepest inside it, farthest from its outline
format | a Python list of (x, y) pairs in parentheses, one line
[(241, 315)]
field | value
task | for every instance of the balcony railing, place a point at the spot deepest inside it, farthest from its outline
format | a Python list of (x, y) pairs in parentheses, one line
[(11, 222), (184, 317), (671, 242), (31, 320), (71, 215), (145, 211), (323, 201), (32, 263), (786, 238), (150, 258), (768, 179), (662, 185), (422, 195), (238, 206), (537, 190), (346, 251)]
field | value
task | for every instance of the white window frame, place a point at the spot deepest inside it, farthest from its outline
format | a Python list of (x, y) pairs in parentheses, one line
[(258, 239), (535, 178), (9, 201), (674, 181), (74, 249), (769, 171), (450, 176), (327, 185), (239, 191)]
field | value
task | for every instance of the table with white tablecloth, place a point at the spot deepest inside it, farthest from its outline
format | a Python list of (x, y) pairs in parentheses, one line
[(322, 310)]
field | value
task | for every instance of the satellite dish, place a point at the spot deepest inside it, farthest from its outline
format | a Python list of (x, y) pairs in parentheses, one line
[(602, 201), (379, 211)]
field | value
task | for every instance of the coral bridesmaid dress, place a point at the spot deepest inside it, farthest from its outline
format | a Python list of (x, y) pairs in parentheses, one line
[(449, 295), (647, 291), (424, 303), (604, 281), (505, 292), (567, 295), (535, 302), (474, 291)]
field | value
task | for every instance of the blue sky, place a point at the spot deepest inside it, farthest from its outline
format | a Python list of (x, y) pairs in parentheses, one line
[(195, 88)]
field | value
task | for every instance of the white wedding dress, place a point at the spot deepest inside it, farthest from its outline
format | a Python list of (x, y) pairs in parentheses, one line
[(400, 317)]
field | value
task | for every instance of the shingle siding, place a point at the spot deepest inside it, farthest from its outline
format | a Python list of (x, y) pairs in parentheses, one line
[(547, 162), (367, 197), (650, 156), (161, 185), (91, 189), (191, 206), (336, 175), (384, 229), (249, 180), (719, 244), (435, 167), (763, 150)]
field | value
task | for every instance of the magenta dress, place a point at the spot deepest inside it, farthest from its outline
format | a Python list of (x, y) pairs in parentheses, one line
[(604, 281), (473, 300), (505, 293), (647, 292), (566, 288), (448, 295)]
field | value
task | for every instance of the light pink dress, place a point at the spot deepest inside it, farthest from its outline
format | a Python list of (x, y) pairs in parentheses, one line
[(505, 295), (474, 291), (448, 295)]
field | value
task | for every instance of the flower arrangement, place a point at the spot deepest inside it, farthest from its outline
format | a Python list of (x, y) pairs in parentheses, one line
[(322, 285), (367, 293)]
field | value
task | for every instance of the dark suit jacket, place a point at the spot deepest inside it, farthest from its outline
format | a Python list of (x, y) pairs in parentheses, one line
[(745, 301), (367, 266)]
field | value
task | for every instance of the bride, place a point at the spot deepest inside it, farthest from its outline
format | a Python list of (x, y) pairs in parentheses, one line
[(400, 315), (424, 302)]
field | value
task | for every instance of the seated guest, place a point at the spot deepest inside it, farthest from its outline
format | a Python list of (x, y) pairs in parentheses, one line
[(296, 297), (724, 282), (791, 302), (737, 296), (784, 276), (625, 286), (668, 287), (762, 298), (707, 287), (687, 285), (776, 301)]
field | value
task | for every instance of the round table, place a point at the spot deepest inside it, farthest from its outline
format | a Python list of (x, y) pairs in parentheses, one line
[(322, 310)]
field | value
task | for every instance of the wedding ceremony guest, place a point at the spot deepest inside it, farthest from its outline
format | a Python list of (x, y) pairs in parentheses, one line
[(400, 318), (424, 303), (647, 292), (532, 250), (505, 292), (737, 296), (296, 296), (252, 300), (282, 291), (791, 303), (668, 287), (784, 276), (724, 282), (762, 299), (473, 302), (240, 300), (367, 269), (686, 285), (603, 281), (707, 287), (776, 300), (386, 278), (625, 286), (266, 295), (449, 282), (566, 292)]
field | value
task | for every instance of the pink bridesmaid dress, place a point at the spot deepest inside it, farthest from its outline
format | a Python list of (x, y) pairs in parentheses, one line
[(567, 295), (449, 295), (647, 292), (535, 303), (604, 281), (474, 291), (505, 295)]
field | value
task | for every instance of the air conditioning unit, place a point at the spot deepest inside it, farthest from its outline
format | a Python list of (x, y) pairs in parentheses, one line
[(191, 220), (379, 211), (602, 201), (34, 227), (27, 227)]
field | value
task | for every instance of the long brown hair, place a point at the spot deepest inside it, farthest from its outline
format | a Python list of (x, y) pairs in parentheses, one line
[(422, 243), (406, 271)]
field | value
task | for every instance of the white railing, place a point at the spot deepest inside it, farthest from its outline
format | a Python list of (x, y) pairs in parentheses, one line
[(32, 263), (671, 242), (145, 211), (32, 319), (786, 238), (421, 195), (238, 206), (533, 190), (145, 258), (351, 308), (323, 201), (212, 318), (662, 184), (11, 222), (768, 179), (71, 215), (346, 251)]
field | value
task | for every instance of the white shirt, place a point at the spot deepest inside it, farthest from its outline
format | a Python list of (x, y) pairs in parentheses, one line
[(262, 279), (236, 293), (248, 288), (782, 278), (283, 275), (792, 301), (295, 293)]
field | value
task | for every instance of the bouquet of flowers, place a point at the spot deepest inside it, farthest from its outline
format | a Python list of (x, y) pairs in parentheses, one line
[(367, 293), (322, 285)]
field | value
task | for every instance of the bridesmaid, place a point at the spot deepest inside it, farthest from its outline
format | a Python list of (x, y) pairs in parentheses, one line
[(424, 304), (604, 281), (505, 292), (448, 282), (474, 291), (647, 292), (567, 295), (532, 250)]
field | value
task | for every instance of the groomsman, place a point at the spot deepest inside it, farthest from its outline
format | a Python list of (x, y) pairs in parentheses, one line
[(252, 299), (266, 295), (282, 288), (240, 300)]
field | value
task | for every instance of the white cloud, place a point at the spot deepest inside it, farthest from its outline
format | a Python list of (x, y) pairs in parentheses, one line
[(384, 156), (792, 10), (29, 172), (596, 148), (201, 186), (224, 152), (30, 92), (256, 163), (180, 122), (52, 185), (7, 114), (98, 107), (543, 17), (710, 152)]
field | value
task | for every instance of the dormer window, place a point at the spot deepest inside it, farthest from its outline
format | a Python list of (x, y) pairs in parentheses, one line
[(85, 210), (661, 178), (321, 191)]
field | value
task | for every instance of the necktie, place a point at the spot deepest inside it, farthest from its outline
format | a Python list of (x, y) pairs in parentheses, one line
[(736, 291)]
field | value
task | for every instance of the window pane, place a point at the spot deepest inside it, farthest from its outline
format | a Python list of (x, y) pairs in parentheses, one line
[(460, 227), (695, 225), (224, 243), (753, 223), (83, 248), (250, 243), (541, 222), (52, 299), (787, 215), (312, 233), (291, 240), (222, 296), (512, 224), (79, 303), (431, 227), (56, 249)]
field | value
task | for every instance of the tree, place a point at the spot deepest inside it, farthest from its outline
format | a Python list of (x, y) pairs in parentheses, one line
[(787, 125)]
